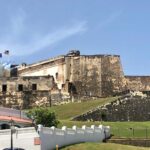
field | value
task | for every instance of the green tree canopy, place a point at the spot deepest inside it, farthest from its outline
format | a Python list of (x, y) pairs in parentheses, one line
[(43, 116)]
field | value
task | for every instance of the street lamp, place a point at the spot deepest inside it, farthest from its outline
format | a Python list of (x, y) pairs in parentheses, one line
[(11, 132)]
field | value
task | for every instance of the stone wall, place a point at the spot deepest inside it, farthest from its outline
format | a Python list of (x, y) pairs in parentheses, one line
[(24, 92), (95, 75), (131, 141), (138, 83), (112, 75), (53, 67), (124, 109), (87, 75), (90, 75)]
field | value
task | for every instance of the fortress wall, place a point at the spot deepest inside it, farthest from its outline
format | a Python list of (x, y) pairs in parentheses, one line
[(27, 95), (91, 75), (95, 75), (112, 75), (138, 83), (86, 75), (42, 83), (55, 68)]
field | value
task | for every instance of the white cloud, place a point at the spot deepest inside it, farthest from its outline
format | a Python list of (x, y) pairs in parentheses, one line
[(13, 39), (111, 18), (59, 35)]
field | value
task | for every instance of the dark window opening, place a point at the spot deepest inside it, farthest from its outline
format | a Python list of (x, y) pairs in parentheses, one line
[(34, 87), (63, 85), (57, 75), (4, 88), (5, 126), (20, 87), (72, 88)]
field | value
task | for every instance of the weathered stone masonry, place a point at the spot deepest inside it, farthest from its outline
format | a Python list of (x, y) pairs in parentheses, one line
[(92, 75), (122, 109), (138, 83), (67, 76), (24, 92)]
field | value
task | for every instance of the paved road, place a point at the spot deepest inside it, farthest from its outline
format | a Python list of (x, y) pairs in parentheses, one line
[(25, 140)]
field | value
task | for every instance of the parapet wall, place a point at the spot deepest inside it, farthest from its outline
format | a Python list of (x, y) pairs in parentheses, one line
[(138, 83), (50, 137)]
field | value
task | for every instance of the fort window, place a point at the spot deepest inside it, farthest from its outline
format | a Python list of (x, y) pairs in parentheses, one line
[(34, 87), (4, 88), (57, 75), (63, 85), (20, 87)]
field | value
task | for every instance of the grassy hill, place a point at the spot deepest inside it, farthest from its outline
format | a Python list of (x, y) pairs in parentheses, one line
[(67, 111), (102, 146), (118, 129)]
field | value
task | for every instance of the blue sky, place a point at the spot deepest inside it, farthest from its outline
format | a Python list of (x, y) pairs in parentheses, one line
[(34, 30)]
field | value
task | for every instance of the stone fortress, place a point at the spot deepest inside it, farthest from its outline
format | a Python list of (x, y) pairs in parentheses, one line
[(64, 77)]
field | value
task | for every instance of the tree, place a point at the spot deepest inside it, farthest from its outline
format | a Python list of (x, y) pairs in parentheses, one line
[(43, 116)]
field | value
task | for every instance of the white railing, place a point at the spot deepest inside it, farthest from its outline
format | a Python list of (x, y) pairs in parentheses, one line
[(50, 137)]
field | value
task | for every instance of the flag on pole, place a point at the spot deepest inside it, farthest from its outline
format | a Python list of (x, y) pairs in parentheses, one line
[(6, 52)]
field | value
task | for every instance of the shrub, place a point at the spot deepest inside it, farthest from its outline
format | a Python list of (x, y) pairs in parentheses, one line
[(43, 116)]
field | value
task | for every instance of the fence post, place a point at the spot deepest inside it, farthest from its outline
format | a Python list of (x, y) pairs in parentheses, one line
[(118, 132), (133, 132), (146, 132), (56, 147)]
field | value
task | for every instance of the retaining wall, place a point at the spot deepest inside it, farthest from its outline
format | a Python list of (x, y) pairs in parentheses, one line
[(50, 137)]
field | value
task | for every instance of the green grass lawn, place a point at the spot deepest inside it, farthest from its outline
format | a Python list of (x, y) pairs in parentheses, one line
[(121, 125), (102, 146), (67, 111), (118, 129)]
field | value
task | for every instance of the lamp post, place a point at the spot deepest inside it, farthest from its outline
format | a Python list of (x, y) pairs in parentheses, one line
[(11, 132)]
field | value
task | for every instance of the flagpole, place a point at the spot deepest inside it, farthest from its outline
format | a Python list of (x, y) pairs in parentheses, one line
[(1, 65), (6, 52), (1, 58)]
